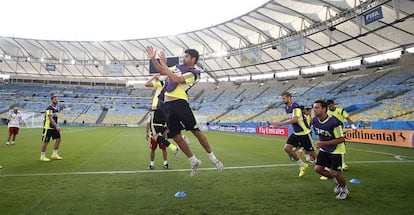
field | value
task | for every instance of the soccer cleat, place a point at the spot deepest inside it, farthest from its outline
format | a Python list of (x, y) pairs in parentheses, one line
[(150, 167), (166, 166), (44, 159), (219, 165), (345, 167), (337, 188), (176, 153), (194, 167), (7, 144), (323, 178), (13, 143), (56, 157), (302, 170), (343, 194)]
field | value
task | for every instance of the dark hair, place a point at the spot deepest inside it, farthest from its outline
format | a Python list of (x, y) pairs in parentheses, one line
[(192, 53), (330, 101), (322, 103), (308, 108), (51, 98), (286, 93), (302, 107)]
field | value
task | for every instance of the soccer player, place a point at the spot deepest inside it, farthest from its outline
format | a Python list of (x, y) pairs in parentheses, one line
[(14, 119), (157, 123), (179, 114), (342, 115), (51, 130), (332, 147), (308, 115), (153, 145), (301, 136)]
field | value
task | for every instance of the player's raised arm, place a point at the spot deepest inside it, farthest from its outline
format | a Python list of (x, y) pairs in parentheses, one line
[(149, 82)]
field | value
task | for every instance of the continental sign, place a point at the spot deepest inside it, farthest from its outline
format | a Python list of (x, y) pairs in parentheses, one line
[(402, 138)]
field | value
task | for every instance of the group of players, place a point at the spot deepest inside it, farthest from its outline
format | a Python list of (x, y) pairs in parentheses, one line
[(328, 125), (171, 113), (50, 129)]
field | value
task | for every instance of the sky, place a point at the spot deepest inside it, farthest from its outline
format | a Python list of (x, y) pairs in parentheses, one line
[(87, 20)]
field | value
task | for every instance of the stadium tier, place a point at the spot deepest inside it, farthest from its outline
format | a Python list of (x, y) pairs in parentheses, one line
[(380, 95)]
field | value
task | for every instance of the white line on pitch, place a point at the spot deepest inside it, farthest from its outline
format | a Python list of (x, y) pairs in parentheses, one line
[(382, 153), (184, 170)]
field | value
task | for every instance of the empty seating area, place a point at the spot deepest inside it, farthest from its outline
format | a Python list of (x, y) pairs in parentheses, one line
[(388, 92)]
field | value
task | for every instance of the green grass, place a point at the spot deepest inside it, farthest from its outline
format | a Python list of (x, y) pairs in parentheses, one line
[(385, 186)]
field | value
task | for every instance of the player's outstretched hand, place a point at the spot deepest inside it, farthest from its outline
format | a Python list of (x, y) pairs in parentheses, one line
[(151, 52), (163, 59)]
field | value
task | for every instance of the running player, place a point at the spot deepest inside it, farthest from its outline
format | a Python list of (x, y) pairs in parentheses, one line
[(301, 136), (342, 115), (332, 147)]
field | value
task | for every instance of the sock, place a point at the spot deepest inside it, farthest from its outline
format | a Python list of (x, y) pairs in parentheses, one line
[(42, 154), (165, 162), (193, 159), (172, 147), (336, 181), (300, 163), (54, 152), (212, 156), (344, 189), (152, 163)]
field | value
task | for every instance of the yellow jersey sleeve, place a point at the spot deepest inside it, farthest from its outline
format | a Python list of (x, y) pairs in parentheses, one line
[(189, 78), (156, 84), (338, 132)]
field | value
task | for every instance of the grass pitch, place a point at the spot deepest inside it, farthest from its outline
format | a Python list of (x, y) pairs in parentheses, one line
[(103, 171)]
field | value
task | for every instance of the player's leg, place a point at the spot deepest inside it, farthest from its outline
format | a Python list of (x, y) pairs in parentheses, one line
[(204, 142), (187, 118), (292, 142), (153, 145), (344, 165), (45, 141), (56, 136), (15, 133), (291, 145), (9, 136), (175, 127), (337, 174), (307, 145), (164, 156), (159, 128), (323, 162)]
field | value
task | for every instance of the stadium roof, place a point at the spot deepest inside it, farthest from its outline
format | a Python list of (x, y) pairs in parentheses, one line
[(330, 30)]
